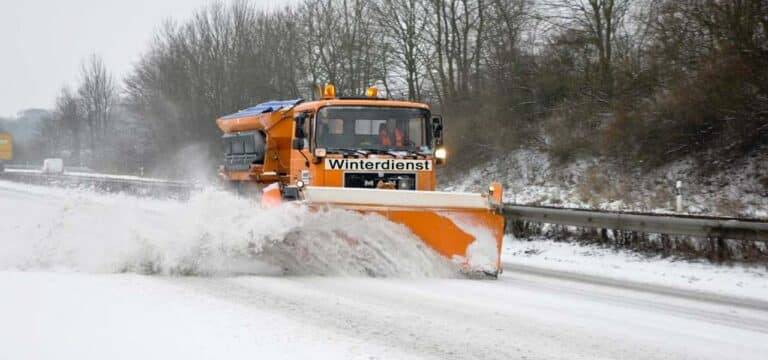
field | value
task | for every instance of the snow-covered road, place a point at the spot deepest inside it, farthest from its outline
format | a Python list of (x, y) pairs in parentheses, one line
[(94, 316), (58, 302)]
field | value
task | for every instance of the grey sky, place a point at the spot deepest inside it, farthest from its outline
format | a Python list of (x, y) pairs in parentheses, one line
[(43, 42)]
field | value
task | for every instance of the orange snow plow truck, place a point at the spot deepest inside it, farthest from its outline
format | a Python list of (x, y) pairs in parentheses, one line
[(365, 154)]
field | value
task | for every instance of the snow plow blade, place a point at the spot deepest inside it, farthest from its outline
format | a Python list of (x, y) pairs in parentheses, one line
[(467, 228)]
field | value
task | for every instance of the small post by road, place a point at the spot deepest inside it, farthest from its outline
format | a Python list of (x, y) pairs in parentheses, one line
[(679, 196)]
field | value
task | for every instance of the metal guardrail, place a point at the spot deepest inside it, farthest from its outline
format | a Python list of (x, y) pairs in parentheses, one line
[(22, 167), (80, 169), (102, 182), (672, 224)]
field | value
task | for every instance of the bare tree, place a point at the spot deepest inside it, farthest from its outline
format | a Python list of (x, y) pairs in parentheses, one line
[(403, 24), (97, 94), (599, 21), (340, 37), (456, 33), (68, 114)]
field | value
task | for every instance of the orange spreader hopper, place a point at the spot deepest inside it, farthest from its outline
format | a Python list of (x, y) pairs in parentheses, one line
[(368, 155)]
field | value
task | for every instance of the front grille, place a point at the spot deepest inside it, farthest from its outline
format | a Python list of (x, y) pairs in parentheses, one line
[(372, 180)]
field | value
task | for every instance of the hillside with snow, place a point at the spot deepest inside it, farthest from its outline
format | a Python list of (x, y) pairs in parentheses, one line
[(725, 188)]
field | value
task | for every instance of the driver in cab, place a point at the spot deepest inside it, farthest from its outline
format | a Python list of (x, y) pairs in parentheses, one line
[(390, 134)]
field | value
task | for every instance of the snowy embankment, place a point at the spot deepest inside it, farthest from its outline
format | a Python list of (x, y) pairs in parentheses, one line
[(736, 189)]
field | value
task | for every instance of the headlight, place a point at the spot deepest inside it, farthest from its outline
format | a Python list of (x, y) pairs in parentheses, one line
[(300, 184), (440, 153), (320, 152)]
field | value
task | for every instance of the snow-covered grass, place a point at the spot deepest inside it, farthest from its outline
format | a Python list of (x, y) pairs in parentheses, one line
[(734, 280), (738, 189)]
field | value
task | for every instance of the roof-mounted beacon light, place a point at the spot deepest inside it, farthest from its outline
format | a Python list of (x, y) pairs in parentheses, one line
[(329, 92), (372, 92)]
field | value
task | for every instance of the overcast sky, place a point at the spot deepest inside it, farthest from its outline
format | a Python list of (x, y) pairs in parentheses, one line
[(43, 42)]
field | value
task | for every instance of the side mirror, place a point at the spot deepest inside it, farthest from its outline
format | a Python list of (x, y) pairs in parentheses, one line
[(437, 130), (299, 135), (437, 139)]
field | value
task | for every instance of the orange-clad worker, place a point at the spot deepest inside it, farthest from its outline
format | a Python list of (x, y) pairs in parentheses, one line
[(387, 130)]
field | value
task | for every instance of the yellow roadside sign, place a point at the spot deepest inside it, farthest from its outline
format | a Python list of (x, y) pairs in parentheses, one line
[(6, 147)]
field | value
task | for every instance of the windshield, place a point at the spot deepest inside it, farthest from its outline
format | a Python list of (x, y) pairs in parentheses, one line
[(368, 127)]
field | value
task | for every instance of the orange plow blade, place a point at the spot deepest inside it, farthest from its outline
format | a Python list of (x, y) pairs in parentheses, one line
[(464, 227)]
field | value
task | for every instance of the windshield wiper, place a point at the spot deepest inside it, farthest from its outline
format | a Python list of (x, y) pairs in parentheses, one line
[(374, 151), (346, 151), (407, 151)]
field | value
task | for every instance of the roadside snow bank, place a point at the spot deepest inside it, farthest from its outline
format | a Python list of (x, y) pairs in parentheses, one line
[(738, 280), (214, 233)]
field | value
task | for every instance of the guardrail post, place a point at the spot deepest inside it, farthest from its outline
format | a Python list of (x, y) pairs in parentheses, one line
[(679, 196), (718, 249)]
